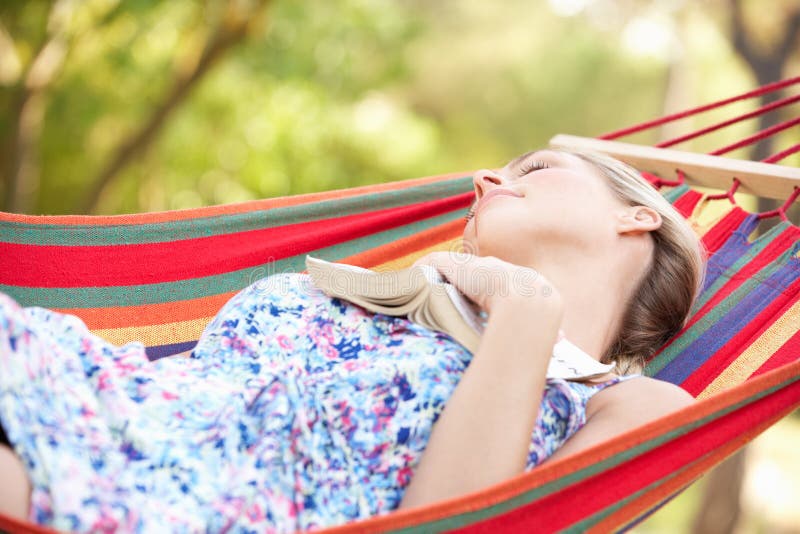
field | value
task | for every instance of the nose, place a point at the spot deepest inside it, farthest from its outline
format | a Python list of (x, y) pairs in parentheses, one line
[(485, 180)]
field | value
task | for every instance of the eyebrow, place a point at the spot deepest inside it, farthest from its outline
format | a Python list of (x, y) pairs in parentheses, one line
[(518, 161)]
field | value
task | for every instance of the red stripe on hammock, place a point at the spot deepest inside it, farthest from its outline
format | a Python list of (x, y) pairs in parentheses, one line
[(149, 263), (687, 202), (728, 353), (187, 310)]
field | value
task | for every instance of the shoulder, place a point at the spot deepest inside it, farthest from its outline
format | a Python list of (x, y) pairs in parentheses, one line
[(638, 400), (622, 407)]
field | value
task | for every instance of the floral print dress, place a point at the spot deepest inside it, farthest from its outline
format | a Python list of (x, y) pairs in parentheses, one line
[(294, 412)]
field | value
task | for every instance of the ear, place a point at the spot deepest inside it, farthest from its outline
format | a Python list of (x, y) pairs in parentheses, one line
[(638, 219)]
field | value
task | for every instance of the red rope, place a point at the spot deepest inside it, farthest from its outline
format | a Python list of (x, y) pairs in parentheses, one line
[(770, 87), (782, 154), (782, 210), (729, 193), (658, 182), (763, 134), (767, 132), (755, 113)]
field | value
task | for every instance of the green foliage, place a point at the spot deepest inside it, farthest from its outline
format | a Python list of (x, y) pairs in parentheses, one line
[(320, 94)]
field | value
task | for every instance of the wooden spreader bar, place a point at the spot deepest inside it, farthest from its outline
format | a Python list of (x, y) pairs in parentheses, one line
[(762, 179)]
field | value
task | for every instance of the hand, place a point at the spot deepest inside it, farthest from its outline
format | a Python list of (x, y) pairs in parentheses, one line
[(489, 281)]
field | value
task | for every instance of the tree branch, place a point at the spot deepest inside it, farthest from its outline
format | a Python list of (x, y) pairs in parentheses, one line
[(739, 34), (792, 29), (19, 169), (232, 30)]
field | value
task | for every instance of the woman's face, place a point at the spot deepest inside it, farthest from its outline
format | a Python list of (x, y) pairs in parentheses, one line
[(540, 200)]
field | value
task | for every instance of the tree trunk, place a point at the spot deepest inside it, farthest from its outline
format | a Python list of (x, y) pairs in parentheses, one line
[(235, 26), (719, 509), (766, 67)]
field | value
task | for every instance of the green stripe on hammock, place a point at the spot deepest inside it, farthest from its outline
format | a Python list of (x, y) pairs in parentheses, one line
[(129, 234), (675, 193)]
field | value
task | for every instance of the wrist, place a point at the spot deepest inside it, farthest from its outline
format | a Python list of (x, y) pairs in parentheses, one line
[(528, 316), (522, 332)]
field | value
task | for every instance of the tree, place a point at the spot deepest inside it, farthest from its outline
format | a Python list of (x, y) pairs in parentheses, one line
[(303, 103), (767, 64), (20, 144), (237, 21)]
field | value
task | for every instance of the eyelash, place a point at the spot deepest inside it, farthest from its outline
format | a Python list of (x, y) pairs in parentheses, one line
[(470, 214), (534, 165)]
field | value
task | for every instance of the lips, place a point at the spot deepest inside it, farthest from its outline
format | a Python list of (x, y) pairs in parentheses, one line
[(494, 193)]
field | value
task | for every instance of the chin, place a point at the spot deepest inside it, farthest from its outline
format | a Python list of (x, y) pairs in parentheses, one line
[(492, 247)]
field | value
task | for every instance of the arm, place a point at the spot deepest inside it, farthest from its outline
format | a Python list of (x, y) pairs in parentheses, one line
[(483, 435), (15, 492)]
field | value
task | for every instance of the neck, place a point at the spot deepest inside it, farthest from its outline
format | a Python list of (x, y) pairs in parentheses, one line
[(594, 296)]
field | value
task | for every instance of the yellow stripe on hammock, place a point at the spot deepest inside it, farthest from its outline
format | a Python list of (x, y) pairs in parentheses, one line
[(757, 353), (155, 335)]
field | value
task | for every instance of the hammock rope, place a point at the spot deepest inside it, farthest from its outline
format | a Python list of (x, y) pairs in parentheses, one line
[(758, 136), (764, 89), (765, 133), (718, 126), (780, 211), (729, 193), (783, 154), (747, 141)]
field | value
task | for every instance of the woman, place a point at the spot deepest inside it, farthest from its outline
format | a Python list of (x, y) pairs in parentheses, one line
[(297, 411)]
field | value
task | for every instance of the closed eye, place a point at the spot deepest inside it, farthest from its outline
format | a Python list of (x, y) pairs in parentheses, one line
[(534, 165)]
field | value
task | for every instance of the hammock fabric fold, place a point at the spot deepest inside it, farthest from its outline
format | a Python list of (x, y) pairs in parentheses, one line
[(160, 277)]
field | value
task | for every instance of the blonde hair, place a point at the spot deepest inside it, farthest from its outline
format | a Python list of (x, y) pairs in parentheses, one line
[(659, 307)]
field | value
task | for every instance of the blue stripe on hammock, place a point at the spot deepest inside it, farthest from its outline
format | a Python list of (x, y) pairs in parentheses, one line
[(161, 351), (740, 314)]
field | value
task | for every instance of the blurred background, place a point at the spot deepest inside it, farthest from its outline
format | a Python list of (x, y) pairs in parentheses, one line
[(114, 107)]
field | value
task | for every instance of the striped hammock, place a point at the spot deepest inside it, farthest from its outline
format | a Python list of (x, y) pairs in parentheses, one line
[(160, 277)]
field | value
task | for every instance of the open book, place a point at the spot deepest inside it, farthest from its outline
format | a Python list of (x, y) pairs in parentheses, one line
[(423, 295)]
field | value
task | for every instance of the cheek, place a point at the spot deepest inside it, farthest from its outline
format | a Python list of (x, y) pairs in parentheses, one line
[(569, 200)]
